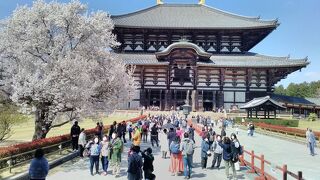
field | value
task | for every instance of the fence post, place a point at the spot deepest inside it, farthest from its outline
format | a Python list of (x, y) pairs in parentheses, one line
[(252, 162), (284, 173), (262, 166), (299, 175), (10, 162)]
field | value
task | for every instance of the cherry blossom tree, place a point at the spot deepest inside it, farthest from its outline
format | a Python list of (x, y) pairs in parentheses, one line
[(58, 62)]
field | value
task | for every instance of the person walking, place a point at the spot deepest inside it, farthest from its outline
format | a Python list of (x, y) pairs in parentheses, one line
[(171, 136), (112, 129), (104, 154), (136, 139), (75, 131), (187, 149), (217, 153), (205, 147), (135, 164), (311, 142), (124, 131), (39, 166), (130, 130), (82, 142), (116, 148), (227, 157), (94, 149), (98, 130), (148, 164), (236, 150), (223, 132), (176, 161), (164, 143), (191, 133), (154, 135), (145, 129)]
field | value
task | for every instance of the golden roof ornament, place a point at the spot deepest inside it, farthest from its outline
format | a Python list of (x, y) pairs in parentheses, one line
[(159, 2), (202, 2)]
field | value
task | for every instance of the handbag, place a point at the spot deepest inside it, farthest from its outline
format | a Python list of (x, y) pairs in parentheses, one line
[(86, 153)]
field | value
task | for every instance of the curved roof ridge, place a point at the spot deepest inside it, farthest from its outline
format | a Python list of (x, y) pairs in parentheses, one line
[(274, 21), (281, 57)]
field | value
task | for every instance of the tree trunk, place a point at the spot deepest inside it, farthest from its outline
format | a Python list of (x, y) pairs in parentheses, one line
[(41, 128)]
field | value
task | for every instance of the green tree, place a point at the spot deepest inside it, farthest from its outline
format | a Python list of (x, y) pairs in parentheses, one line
[(8, 117), (280, 90)]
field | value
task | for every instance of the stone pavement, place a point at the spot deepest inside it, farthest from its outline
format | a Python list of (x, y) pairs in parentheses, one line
[(79, 169), (279, 152), (275, 150)]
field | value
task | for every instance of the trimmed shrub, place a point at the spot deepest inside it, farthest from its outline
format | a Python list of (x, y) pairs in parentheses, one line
[(281, 122), (40, 143), (312, 117)]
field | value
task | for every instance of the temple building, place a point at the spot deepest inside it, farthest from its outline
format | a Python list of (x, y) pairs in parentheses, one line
[(199, 53)]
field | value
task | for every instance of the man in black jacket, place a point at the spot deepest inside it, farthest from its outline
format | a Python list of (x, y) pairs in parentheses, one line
[(75, 131), (148, 164)]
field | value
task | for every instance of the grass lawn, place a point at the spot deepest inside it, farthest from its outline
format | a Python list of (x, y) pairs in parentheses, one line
[(314, 125), (24, 131)]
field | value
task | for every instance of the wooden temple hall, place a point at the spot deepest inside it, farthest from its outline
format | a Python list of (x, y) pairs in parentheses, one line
[(199, 53)]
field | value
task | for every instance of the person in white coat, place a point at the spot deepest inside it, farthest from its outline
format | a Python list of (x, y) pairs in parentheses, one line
[(82, 142), (164, 147)]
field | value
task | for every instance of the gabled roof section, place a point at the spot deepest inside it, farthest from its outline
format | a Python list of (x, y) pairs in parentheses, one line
[(246, 60), (183, 44), (189, 16), (256, 102)]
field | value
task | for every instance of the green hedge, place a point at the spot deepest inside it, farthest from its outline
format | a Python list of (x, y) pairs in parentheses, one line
[(281, 122)]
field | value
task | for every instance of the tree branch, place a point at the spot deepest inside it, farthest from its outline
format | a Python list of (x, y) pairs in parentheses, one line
[(60, 124)]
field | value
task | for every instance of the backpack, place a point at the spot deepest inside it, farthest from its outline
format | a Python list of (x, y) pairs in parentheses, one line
[(175, 148), (176, 123), (189, 148), (145, 128), (240, 150)]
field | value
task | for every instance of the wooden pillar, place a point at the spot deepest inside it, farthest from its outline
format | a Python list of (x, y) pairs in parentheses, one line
[(275, 114), (161, 101), (257, 113), (300, 110), (250, 113), (194, 98), (265, 113), (174, 99), (247, 113), (149, 98), (268, 114)]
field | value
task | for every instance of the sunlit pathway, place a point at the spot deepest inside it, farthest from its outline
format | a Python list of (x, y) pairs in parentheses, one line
[(280, 152), (79, 169)]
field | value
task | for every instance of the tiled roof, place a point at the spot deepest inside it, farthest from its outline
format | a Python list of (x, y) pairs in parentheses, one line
[(232, 60), (260, 101), (188, 16), (314, 100), (291, 99)]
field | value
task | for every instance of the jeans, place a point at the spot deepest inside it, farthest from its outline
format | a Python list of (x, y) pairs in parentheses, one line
[(229, 164), (204, 162), (124, 137), (187, 165), (154, 138), (216, 157), (311, 147), (105, 163), (94, 160)]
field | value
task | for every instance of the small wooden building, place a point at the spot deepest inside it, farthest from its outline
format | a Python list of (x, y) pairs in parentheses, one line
[(262, 104)]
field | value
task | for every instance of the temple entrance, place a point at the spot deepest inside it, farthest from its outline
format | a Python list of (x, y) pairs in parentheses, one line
[(208, 100), (207, 106)]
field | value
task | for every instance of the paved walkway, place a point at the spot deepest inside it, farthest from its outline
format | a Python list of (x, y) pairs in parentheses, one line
[(275, 150), (79, 169), (279, 152)]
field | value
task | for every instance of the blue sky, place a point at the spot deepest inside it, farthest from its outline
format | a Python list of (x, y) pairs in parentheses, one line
[(297, 35)]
